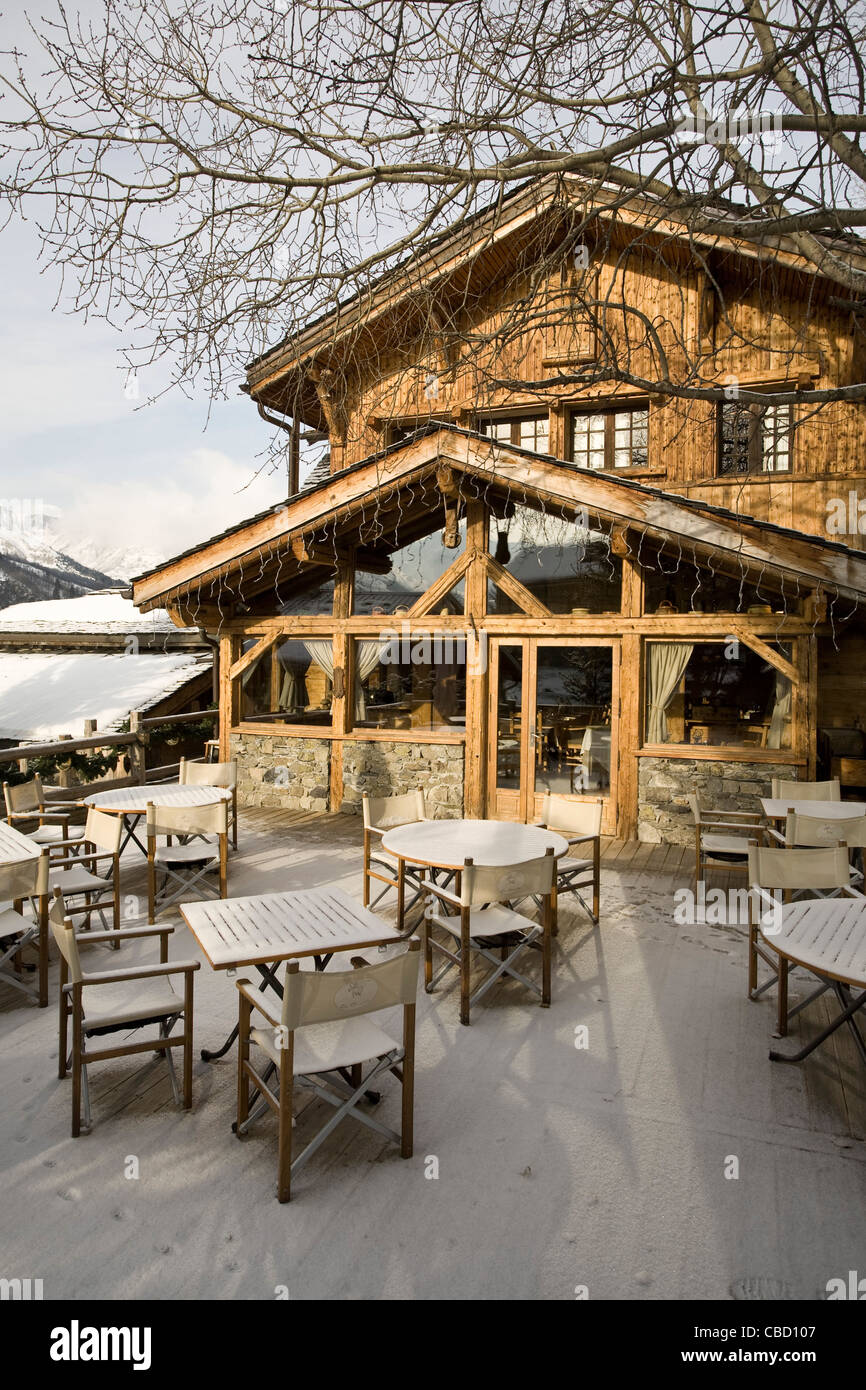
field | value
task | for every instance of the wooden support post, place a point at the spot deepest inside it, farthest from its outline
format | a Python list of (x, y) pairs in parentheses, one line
[(226, 700), (475, 747), (340, 714), (137, 751), (628, 736)]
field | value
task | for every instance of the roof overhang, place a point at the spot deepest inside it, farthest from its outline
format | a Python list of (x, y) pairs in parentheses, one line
[(211, 579)]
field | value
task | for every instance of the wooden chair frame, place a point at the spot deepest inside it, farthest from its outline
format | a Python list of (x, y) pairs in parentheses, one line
[(73, 981), (343, 1091), (571, 875), (25, 803), (193, 821), (724, 825), (86, 854), (377, 866), (205, 774), (484, 886), (19, 881)]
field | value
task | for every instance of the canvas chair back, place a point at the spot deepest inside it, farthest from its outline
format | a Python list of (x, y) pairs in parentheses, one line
[(209, 774), (103, 830), (798, 868), (26, 879), (64, 935), (385, 812), (483, 884), (26, 796), (572, 817), (324, 996), (806, 791), (187, 820), (832, 831)]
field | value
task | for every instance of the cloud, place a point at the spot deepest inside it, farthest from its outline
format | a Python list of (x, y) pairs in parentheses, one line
[(204, 492)]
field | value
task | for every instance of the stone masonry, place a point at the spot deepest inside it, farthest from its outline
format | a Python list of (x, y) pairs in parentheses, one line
[(664, 816), (289, 772), (386, 769)]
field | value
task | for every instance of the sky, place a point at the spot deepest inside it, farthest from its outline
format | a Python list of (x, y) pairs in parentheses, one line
[(156, 478)]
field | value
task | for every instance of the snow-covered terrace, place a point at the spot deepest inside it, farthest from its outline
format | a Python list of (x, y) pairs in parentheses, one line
[(606, 1167)]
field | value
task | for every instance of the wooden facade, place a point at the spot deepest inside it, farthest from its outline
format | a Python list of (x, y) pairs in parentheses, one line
[(531, 568)]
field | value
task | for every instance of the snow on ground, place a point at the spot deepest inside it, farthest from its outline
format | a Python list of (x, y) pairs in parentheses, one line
[(46, 694), (559, 1167)]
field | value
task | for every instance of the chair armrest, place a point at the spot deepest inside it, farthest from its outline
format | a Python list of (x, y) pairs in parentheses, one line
[(756, 816), (140, 972), (256, 998), (729, 825), (88, 857), (443, 893), (582, 839), (375, 830), (125, 934), (776, 834)]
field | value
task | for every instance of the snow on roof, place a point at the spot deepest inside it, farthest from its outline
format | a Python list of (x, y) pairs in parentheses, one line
[(45, 694), (103, 611)]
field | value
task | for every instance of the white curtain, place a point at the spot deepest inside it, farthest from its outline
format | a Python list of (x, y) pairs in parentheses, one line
[(367, 657), (667, 662), (781, 715)]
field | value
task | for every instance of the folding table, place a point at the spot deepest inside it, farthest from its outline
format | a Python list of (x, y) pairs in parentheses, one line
[(269, 928)]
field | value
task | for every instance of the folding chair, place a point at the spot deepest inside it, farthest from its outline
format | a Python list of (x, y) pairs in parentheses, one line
[(786, 871), (816, 831), (783, 788), (75, 876), (321, 1039), (580, 823), (480, 924), (383, 813), (831, 946), (25, 803), (208, 774), (185, 865), (145, 997), (722, 838), (27, 879)]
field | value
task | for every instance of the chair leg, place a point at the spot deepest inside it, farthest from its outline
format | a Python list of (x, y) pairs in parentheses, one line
[(465, 971), (284, 1161), (782, 1002), (244, 1013), (596, 879), (407, 1136), (76, 1092), (545, 962), (753, 959), (428, 955), (43, 952), (187, 1041)]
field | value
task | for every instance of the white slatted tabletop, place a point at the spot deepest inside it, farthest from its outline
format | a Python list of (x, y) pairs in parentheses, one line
[(827, 935), (15, 848), (132, 801), (281, 926), (825, 810)]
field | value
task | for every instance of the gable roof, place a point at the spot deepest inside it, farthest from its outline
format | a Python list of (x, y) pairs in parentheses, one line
[(482, 236), (245, 559)]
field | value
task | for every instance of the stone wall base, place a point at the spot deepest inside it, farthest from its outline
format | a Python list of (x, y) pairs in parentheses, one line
[(664, 784)]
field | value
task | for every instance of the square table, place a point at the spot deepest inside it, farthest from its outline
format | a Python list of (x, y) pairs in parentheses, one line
[(265, 929)]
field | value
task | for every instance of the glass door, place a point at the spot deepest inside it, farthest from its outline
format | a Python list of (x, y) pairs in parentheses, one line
[(554, 704)]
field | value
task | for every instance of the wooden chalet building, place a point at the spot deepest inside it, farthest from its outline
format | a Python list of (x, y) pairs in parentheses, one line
[(521, 574)]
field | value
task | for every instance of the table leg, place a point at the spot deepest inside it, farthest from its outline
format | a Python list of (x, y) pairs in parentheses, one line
[(269, 980), (401, 893)]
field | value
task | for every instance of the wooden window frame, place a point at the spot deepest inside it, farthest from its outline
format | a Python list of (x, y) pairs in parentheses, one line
[(608, 412), (486, 423), (271, 724), (758, 471)]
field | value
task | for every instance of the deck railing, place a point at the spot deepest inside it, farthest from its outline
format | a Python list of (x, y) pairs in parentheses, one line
[(136, 740)]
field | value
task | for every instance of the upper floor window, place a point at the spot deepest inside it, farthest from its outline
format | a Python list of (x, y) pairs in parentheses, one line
[(610, 439), (526, 431), (754, 438)]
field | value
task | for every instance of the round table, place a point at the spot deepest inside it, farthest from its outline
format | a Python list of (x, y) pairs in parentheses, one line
[(131, 802), (447, 844)]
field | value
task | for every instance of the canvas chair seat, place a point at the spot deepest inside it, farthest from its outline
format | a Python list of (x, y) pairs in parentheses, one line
[(199, 852), (78, 880), (108, 1008), (13, 924), (726, 844), (490, 921), (323, 1047), (50, 834)]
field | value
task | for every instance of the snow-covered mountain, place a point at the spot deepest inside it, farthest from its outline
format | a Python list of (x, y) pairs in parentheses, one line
[(32, 568), (123, 562)]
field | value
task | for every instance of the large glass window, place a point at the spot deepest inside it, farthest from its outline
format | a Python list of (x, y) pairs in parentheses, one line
[(674, 584), (715, 693), (414, 567), (410, 681), (568, 567), (754, 438), (290, 683), (610, 439)]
